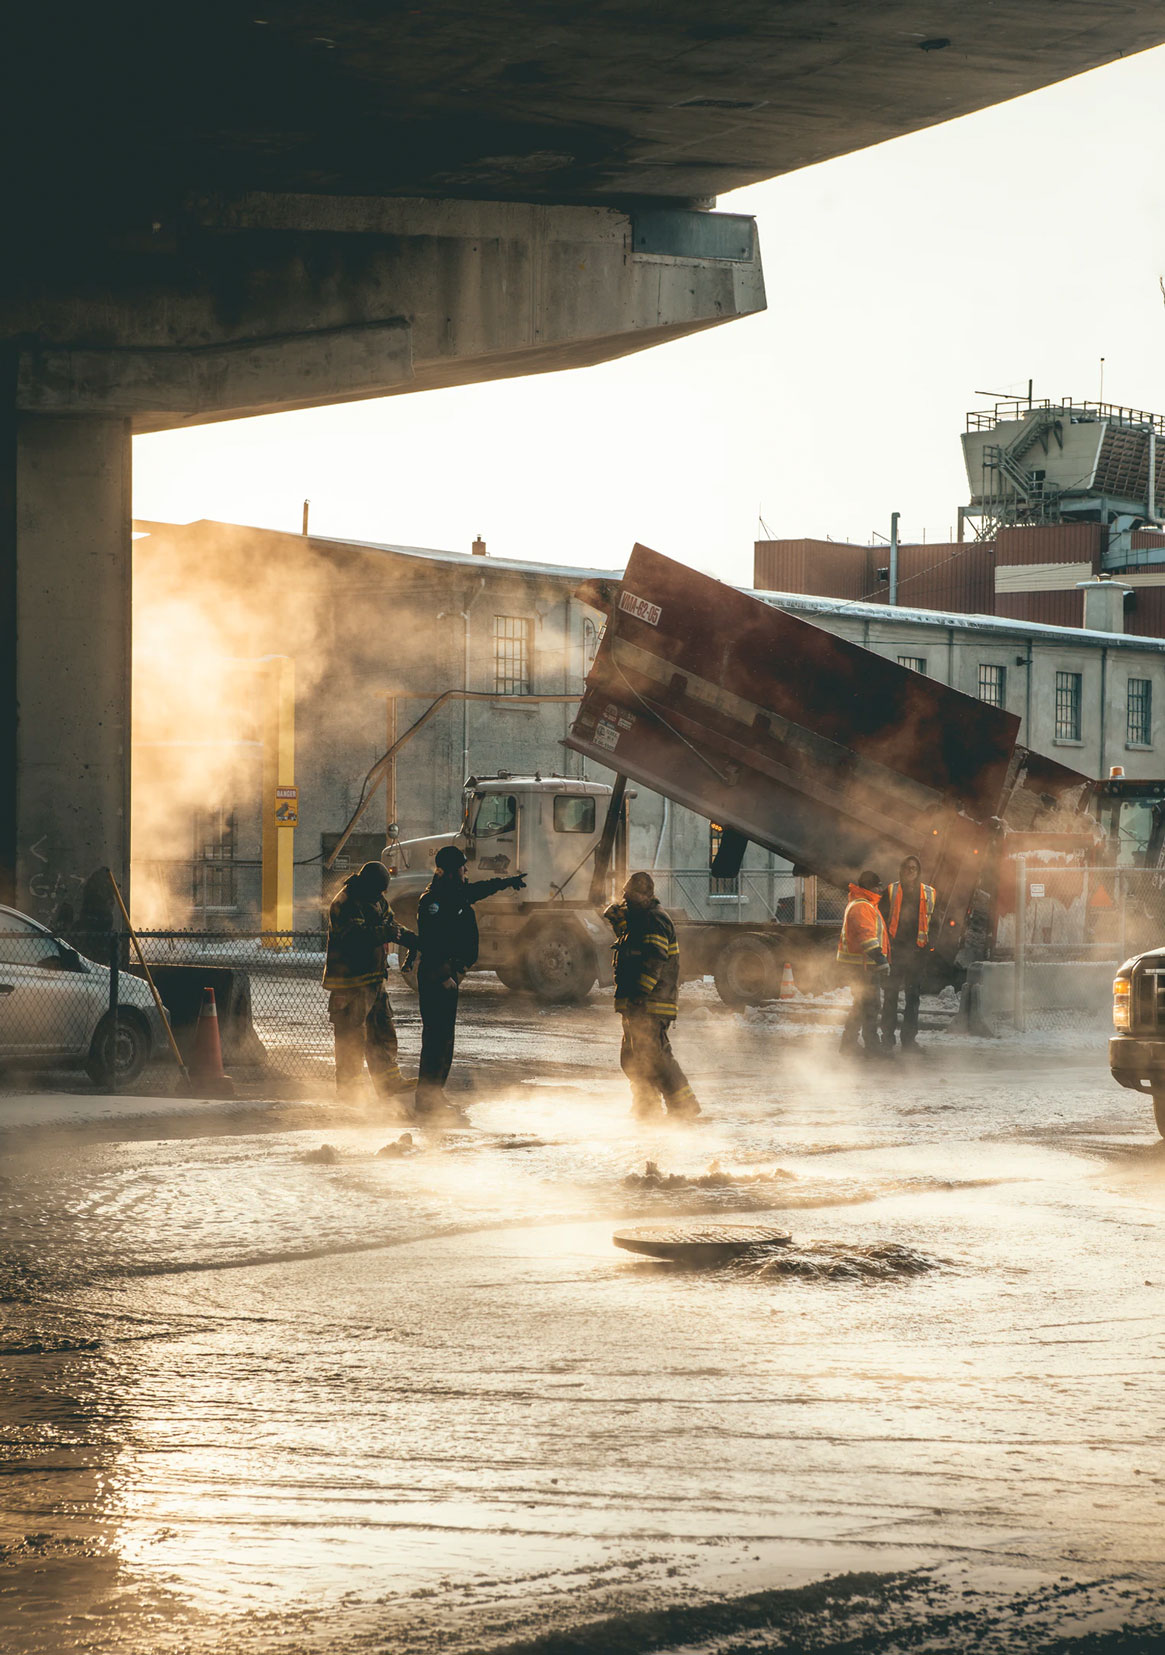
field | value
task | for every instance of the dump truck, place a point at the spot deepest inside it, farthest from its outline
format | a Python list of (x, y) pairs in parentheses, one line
[(569, 837), (789, 738)]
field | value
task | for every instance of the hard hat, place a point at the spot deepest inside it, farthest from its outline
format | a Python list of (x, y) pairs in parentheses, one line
[(640, 884), (373, 876), (449, 858)]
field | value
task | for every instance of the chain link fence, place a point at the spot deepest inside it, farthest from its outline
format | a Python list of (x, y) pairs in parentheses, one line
[(1061, 932)]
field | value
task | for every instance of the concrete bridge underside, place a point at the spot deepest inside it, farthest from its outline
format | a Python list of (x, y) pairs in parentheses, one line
[(237, 210)]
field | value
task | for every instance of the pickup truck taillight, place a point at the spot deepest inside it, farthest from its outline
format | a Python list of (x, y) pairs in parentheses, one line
[(1122, 990)]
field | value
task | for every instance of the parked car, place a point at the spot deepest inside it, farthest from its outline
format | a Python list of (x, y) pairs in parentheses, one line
[(54, 1007), (1136, 1052)]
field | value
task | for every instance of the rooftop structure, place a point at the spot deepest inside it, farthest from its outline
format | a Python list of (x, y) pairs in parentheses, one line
[(1046, 462)]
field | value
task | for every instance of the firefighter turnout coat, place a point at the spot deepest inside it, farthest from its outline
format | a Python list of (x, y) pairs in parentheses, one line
[(646, 959), (360, 932)]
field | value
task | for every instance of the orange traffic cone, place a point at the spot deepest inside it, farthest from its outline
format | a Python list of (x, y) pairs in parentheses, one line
[(207, 1078), (788, 989)]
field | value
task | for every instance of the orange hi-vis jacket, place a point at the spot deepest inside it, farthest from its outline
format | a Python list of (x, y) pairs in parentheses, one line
[(925, 911), (863, 930)]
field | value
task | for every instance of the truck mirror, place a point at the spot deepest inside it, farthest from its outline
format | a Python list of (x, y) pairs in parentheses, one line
[(392, 830)]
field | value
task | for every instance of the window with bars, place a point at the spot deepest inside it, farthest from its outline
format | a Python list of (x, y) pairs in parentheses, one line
[(719, 887), (513, 647), (1139, 713), (992, 684), (214, 875), (916, 663), (1067, 706)]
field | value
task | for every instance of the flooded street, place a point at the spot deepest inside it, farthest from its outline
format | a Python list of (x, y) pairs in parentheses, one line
[(267, 1387)]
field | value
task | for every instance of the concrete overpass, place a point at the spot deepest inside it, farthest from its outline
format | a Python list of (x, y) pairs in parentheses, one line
[(226, 210)]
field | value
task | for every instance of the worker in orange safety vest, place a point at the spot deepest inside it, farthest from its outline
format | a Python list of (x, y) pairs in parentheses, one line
[(863, 949), (908, 908)]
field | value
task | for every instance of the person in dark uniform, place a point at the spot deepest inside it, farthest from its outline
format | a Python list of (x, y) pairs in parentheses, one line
[(447, 932), (361, 928), (647, 981)]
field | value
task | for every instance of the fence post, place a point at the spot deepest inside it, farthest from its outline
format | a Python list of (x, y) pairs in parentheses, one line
[(1121, 897), (114, 970), (114, 990), (1018, 1013)]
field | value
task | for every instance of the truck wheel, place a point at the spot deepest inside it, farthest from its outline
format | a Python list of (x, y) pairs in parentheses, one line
[(746, 972), (558, 963), (512, 976), (1159, 1111)]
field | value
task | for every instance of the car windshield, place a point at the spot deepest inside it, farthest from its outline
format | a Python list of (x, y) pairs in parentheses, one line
[(1133, 828)]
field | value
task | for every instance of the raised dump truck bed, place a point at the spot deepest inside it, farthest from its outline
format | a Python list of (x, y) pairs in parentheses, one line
[(803, 743)]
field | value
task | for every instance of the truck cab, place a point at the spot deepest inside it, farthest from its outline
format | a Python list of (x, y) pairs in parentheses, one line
[(547, 938)]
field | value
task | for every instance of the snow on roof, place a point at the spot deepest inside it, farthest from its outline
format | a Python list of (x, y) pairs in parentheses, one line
[(847, 609), (470, 560), (796, 602)]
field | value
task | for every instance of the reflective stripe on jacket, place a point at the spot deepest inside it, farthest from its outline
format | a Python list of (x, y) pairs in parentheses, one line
[(646, 959), (925, 910), (863, 930)]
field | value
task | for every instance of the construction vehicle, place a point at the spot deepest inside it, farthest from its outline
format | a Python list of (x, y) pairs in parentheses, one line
[(551, 939), (789, 738)]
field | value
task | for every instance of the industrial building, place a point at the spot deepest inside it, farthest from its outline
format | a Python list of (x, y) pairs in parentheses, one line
[(1059, 492), (376, 632)]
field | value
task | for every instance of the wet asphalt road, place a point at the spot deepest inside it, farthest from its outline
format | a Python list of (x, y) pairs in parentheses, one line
[(266, 1388)]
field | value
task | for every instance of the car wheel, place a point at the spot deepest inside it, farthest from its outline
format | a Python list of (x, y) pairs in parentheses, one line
[(1159, 1111), (558, 963), (746, 972), (119, 1051)]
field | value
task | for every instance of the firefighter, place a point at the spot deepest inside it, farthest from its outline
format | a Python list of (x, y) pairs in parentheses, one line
[(361, 928), (647, 980), (447, 928), (908, 908), (863, 948)]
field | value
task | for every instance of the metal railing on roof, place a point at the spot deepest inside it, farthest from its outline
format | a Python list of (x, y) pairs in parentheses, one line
[(986, 419)]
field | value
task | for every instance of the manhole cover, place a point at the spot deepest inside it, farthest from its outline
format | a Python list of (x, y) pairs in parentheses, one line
[(699, 1243)]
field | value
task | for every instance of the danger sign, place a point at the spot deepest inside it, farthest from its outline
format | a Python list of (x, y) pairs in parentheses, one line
[(287, 806)]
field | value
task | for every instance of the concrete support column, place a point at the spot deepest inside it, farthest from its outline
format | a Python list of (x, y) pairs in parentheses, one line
[(65, 578)]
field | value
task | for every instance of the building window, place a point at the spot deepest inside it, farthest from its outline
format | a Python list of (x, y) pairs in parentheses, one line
[(916, 663), (992, 684), (1139, 713), (214, 874), (719, 887), (512, 651), (1067, 706)]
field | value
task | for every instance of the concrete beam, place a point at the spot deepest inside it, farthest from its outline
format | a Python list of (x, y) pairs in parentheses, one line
[(279, 302), (65, 641)]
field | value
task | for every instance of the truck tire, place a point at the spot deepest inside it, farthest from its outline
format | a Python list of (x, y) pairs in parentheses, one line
[(746, 972), (1159, 1111), (558, 963), (512, 975)]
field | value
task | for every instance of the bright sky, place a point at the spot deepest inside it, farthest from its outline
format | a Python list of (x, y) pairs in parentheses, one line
[(1024, 241)]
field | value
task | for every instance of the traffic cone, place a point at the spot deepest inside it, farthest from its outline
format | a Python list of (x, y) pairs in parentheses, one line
[(788, 989), (207, 1078)]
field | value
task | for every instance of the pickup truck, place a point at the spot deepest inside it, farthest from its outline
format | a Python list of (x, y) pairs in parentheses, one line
[(1136, 1052)]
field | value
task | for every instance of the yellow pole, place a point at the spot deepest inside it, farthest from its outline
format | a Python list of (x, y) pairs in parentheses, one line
[(280, 798)]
